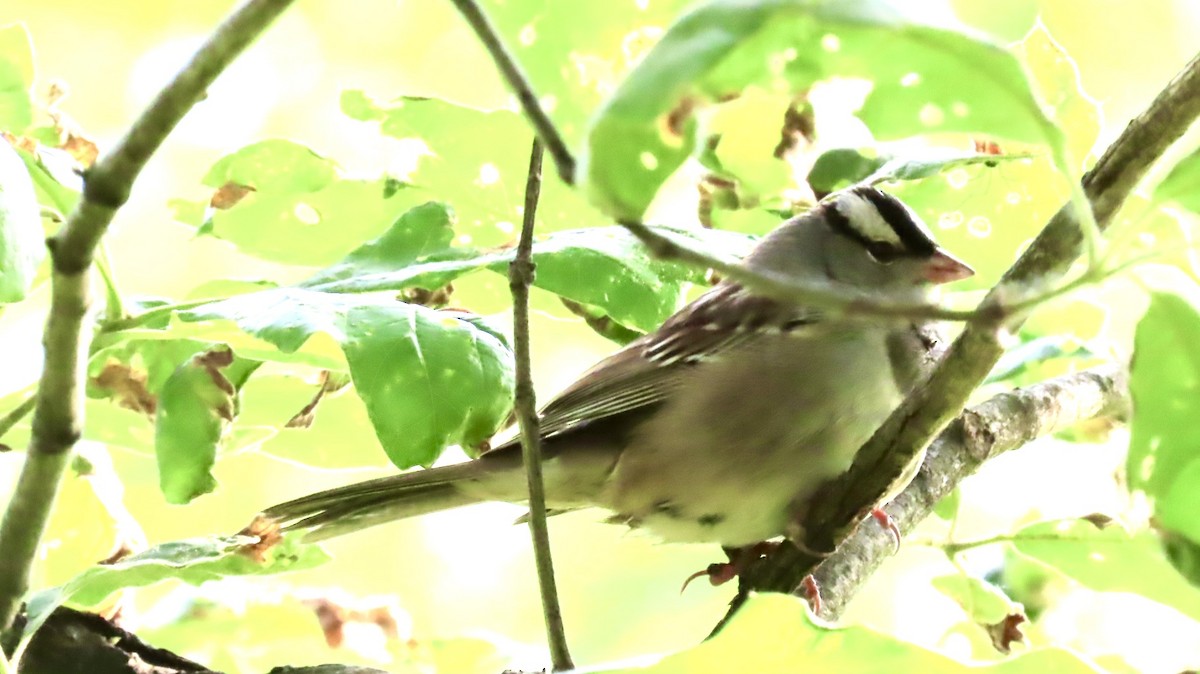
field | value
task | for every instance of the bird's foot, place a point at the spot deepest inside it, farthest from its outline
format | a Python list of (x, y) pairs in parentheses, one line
[(740, 559), (889, 525)]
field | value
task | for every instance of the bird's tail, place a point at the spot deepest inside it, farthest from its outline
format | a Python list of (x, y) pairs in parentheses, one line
[(347, 509)]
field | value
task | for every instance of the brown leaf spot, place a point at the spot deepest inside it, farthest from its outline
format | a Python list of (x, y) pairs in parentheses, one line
[(987, 147), (127, 387), (212, 361), (20, 142), (675, 119), (799, 124), (434, 299), (335, 613), (120, 551), (228, 195), (1099, 520), (1006, 632), (79, 146), (268, 533)]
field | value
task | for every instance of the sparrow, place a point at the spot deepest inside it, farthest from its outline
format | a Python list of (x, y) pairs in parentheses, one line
[(721, 425)]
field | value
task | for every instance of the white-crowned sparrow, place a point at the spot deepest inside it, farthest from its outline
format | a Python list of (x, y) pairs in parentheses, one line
[(719, 426)]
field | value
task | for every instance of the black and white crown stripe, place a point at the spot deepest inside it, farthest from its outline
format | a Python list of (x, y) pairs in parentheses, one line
[(870, 216)]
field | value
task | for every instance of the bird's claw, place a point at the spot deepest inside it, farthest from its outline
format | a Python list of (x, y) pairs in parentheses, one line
[(812, 591), (889, 525)]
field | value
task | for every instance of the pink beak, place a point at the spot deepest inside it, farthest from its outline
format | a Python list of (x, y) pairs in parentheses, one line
[(943, 267)]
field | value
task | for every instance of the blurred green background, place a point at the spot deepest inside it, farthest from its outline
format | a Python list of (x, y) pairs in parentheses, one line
[(468, 573)]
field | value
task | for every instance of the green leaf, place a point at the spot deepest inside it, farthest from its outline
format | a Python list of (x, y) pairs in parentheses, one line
[(1182, 184), (414, 251), (291, 205), (273, 166), (55, 178), (1164, 382), (16, 76), (605, 267), (843, 167), (429, 378), (1110, 560), (926, 79), (477, 161), (193, 561), (984, 602), (196, 406), (21, 239), (773, 633)]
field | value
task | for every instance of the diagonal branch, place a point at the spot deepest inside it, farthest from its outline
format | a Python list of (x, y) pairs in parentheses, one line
[(520, 278), (1002, 423), (58, 415), (933, 404), (547, 133)]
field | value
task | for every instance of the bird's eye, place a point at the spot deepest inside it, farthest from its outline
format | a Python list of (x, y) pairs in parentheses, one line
[(883, 253)]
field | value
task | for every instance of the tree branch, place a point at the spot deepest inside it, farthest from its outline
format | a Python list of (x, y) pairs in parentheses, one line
[(843, 502), (58, 415), (520, 85), (1003, 423), (520, 278)]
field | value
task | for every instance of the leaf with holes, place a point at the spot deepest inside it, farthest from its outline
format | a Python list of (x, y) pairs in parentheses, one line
[(476, 160), (926, 79), (1164, 381), (281, 201)]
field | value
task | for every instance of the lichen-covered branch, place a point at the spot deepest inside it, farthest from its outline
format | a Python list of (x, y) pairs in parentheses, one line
[(1003, 423), (58, 413)]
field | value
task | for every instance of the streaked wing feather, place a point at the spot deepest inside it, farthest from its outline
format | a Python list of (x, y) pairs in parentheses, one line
[(648, 370)]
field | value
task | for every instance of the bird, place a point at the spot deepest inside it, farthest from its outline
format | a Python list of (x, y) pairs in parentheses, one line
[(720, 426)]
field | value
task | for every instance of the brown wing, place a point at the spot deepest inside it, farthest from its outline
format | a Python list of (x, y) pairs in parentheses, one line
[(648, 370)]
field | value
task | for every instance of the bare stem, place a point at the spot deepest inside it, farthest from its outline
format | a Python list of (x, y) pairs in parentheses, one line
[(58, 413), (520, 278), (519, 83)]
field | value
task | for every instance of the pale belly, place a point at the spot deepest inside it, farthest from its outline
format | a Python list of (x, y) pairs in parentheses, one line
[(735, 463)]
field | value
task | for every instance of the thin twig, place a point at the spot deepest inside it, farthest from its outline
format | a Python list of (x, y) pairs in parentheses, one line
[(519, 83), (841, 301), (16, 414), (928, 409), (520, 278), (58, 414)]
